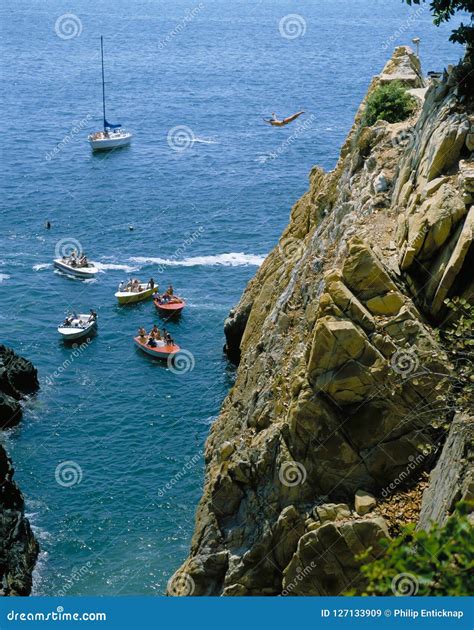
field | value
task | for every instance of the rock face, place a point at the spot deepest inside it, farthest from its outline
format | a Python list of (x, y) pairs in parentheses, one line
[(453, 477), (342, 384), (18, 377), (18, 547)]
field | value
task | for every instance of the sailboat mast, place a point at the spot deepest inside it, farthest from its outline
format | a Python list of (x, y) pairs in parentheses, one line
[(103, 77)]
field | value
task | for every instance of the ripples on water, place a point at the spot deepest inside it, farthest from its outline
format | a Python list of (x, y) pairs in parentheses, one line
[(203, 219)]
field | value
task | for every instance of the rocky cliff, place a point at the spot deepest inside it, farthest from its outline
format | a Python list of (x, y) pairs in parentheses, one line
[(18, 547), (344, 393)]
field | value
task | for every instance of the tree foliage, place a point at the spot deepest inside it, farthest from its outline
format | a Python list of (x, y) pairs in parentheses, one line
[(390, 102), (438, 562), (444, 10)]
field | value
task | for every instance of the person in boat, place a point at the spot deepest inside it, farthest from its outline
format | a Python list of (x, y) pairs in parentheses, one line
[(92, 316), (168, 339), (142, 333), (151, 342), (135, 286), (151, 284), (155, 332), (275, 122), (169, 290)]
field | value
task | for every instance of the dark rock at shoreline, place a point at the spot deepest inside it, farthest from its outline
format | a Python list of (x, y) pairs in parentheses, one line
[(18, 377), (18, 547)]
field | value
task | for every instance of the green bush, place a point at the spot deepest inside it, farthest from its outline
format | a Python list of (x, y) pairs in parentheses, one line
[(438, 562), (390, 102)]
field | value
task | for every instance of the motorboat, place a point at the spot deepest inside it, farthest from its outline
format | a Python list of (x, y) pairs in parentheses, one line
[(134, 291), (76, 268), (112, 136), (78, 326), (168, 306), (161, 349)]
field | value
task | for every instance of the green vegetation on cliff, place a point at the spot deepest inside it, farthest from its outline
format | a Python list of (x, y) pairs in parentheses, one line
[(390, 102), (438, 562)]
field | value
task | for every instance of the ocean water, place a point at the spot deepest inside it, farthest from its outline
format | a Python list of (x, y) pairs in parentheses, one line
[(109, 453)]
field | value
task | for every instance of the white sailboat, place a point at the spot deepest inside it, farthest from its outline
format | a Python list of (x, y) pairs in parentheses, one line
[(112, 136)]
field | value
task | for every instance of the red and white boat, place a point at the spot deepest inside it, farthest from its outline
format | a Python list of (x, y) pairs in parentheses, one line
[(162, 350), (169, 308)]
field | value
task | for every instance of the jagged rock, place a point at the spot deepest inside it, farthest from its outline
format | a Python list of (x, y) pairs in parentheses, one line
[(364, 502), (18, 377), (388, 304), (452, 478), (325, 562), (18, 547)]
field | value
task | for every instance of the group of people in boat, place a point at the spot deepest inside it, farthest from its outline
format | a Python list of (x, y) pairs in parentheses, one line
[(135, 286), (74, 260), (154, 336), (168, 297), (73, 320)]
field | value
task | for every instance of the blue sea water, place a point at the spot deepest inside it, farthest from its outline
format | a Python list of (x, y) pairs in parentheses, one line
[(130, 430)]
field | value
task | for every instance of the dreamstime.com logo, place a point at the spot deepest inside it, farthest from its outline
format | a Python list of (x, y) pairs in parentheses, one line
[(66, 246), (180, 138), (68, 474), (181, 362), (181, 584), (292, 474), (292, 26), (68, 26), (405, 585)]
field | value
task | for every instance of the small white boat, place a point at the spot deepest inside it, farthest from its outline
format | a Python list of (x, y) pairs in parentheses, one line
[(66, 265), (109, 139), (112, 136), (78, 326)]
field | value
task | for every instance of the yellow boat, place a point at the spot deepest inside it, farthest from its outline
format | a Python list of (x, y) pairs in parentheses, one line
[(131, 293)]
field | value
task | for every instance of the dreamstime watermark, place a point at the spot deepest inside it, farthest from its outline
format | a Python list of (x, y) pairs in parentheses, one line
[(76, 576), (291, 248), (68, 474), (299, 130), (406, 25), (66, 247), (292, 474), (301, 575), (181, 362), (405, 585), (68, 26), (180, 138), (292, 26), (77, 350), (187, 467), (404, 362), (72, 134), (181, 26), (181, 584), (405, 139), (179, 251), (414, 462)]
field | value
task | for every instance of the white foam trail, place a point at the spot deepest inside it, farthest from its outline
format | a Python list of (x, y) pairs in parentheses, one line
[(205, 140), (114, 267), (227, 260), (3, 277), (41, 266)]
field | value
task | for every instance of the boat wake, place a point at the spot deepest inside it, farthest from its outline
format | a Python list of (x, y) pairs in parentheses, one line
[(226, 260), (41, 266), (114, 267), (205, 140)]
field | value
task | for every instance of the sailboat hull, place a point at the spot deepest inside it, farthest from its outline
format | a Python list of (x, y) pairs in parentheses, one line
[(105, 144)]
